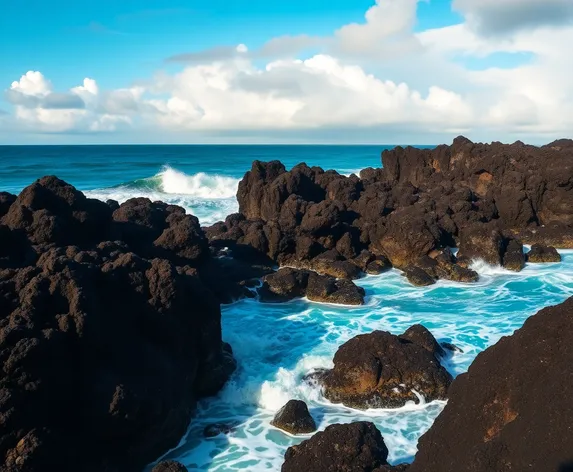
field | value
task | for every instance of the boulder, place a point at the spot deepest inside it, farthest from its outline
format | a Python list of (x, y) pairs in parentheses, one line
[(514, 257), (285, 284), (512, 409), (381, 370), (329, 290), (289, 283), (542, 254), (419, 277), (294, 418), (356, 447)]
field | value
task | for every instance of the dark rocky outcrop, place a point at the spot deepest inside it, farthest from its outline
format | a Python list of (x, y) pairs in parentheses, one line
[(381, 370), (356, 447), (512, 410), (169, 466), (419, 277), (484, 199), (543, 254), (288, 283), (294, 418), (108, 332)]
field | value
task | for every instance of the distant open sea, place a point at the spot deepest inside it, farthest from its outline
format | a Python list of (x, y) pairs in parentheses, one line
[(277, 344)]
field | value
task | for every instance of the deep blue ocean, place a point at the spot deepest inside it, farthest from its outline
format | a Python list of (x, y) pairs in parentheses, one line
[(277, 344)]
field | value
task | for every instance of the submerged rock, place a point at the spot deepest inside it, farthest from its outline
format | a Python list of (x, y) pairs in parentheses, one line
[(294, 418), (381, 370), (356, 447), (543, 254), (512, 410), (214, 430)]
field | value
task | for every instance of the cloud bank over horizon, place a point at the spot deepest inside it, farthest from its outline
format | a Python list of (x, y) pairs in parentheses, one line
[(377, 80)]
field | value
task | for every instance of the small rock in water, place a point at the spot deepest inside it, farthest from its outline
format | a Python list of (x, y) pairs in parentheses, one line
[(542, 254), (169, 466), (216, 429), (294, 418), (419, 277)]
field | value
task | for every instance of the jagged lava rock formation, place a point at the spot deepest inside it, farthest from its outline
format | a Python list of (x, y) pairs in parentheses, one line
[(381, 370), (512, 410), (108, 333), (486, 199), (354, 447)]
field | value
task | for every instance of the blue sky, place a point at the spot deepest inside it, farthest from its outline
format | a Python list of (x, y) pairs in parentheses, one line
[(122, 45)]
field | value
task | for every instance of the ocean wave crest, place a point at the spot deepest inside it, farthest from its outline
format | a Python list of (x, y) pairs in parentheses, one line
[(210, 197), (174, 182)]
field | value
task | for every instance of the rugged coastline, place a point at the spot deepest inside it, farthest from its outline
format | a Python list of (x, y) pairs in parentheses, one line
[(110, 313)]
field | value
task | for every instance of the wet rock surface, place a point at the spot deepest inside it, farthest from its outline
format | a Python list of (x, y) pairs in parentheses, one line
[(543, 254), (108, 333), (294, 418), (356, 447), (381, 370), (512, 409)]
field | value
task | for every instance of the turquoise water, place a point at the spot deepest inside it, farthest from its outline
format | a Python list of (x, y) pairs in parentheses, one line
[(202, 179), (277, 344)]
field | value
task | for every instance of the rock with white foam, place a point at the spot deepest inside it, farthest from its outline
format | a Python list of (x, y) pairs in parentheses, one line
[(356, 447), (294, 418), (381, 370)]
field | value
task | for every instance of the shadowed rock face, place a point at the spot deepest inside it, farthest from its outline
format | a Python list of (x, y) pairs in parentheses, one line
[(380, 370), (512, 410), (108, 334), (356, 447), (475, 196)]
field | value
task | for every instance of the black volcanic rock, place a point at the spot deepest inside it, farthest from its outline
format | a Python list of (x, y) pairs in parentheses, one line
[(106, 345), (512, 409), (542, 254), (380, 370), (294, 418), (477, 197), (288, 283), (419, 277), (356, 447), (514, 257)]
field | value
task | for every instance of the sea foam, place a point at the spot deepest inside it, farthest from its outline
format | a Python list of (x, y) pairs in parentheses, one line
[(276, 345)]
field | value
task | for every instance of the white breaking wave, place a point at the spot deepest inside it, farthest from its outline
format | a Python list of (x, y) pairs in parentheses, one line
[(200, 185), (209, 197)]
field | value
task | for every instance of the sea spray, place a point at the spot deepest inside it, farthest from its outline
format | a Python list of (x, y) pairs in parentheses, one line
[(209, 197)]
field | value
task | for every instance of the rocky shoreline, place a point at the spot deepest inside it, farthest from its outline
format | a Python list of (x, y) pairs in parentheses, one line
[(110, 314)]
